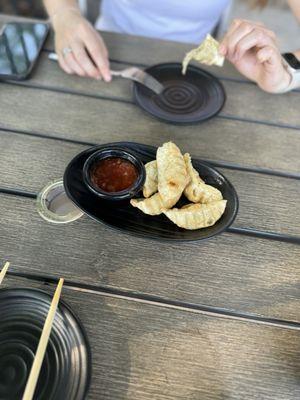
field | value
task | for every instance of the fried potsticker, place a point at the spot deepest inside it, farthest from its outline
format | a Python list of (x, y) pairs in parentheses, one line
[(197, 216), (207, 53), (197, 191), (151, 206), (172, 174), (150, 185)]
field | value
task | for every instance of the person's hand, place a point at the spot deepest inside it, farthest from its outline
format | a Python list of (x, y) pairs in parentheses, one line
[(253, 49), (86, 53)]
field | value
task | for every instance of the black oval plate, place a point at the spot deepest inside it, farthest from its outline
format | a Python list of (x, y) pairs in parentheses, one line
[(66, 369), (124, 217), (194, 97)]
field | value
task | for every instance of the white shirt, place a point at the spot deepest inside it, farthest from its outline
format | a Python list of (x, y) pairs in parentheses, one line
[(179, 20)]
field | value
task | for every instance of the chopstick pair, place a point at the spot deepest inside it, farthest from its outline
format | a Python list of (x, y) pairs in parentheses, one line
[(42, 346)]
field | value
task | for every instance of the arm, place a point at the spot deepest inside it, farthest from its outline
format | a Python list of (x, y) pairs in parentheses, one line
[(86, 53)]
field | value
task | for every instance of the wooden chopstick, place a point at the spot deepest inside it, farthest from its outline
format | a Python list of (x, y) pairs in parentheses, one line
[(3, 271), (40, 353)]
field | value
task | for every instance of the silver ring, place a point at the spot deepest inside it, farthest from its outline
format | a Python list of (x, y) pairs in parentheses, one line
[(66, 50)]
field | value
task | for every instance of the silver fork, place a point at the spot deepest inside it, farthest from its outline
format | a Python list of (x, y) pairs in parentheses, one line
[(132, 73)]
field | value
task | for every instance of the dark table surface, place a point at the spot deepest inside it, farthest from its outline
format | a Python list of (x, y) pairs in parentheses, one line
[(206, 320)]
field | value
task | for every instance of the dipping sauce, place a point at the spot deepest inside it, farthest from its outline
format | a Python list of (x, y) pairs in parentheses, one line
[(114, 174)]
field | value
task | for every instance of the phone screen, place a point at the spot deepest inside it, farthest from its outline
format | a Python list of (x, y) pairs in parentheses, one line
[(20, 44)]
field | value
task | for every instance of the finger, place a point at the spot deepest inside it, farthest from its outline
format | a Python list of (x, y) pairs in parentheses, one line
[(254, 39), (84, 61), (73, 64), (64, 65), (223, 45), (238, 25), (98, 52), (270, 56), (239, 33), (248, 21)]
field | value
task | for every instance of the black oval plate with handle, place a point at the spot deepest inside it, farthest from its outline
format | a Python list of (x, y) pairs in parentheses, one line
[(122, 216)]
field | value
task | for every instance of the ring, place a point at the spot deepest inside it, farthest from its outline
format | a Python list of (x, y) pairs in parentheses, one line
[(66, 50)]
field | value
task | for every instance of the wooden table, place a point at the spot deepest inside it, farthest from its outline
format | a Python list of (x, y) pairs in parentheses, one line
[(191, 321)]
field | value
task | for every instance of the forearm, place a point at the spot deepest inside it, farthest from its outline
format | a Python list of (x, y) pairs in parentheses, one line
[(55, 6)]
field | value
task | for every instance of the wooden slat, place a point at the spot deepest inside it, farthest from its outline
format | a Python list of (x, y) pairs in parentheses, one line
[(142, 352), (82, 118), (243, 100), (267, 203), (49, 74), (230, 271)]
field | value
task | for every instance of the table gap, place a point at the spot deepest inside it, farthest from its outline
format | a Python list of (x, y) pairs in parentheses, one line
[(215, 163), (121, 100), (281, 237), (159, 301)]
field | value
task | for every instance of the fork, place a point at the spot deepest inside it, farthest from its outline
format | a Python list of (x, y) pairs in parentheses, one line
[(132, 73)]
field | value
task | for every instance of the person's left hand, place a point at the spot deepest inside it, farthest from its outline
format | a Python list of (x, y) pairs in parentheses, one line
[(252, 48)]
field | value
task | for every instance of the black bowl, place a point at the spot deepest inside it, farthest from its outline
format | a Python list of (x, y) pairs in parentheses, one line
[(122, 216), (186, 99), (66, 368), (109, 152)]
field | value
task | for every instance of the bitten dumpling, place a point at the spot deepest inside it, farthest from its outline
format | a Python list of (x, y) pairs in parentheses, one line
[(207, 53), (151, 206), (172, 174), (197, 216), (151, 183), (197, 191)]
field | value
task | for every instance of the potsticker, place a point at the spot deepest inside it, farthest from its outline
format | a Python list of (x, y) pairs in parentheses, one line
[(197, 216), (151, 206), (151, 183), (207, 53), (197, 191), (172, 174)]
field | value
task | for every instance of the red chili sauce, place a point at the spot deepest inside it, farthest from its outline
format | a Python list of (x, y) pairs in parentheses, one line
[(114, 174)]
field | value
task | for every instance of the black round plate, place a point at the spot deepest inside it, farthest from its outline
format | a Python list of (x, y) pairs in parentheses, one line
[(194, 97), (66, 368), (122, 216)]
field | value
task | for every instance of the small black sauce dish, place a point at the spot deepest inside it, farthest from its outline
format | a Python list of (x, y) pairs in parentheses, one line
[(108, 152)]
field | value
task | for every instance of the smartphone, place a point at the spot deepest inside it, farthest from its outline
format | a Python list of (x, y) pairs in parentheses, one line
[(20, 45)]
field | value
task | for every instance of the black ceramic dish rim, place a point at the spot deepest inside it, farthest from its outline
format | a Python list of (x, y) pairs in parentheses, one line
[(137, 234), (121, 153), (135, 86), (78, 321)]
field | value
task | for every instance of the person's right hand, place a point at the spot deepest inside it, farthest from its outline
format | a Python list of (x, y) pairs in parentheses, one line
[(253, 50), (88, 55)]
